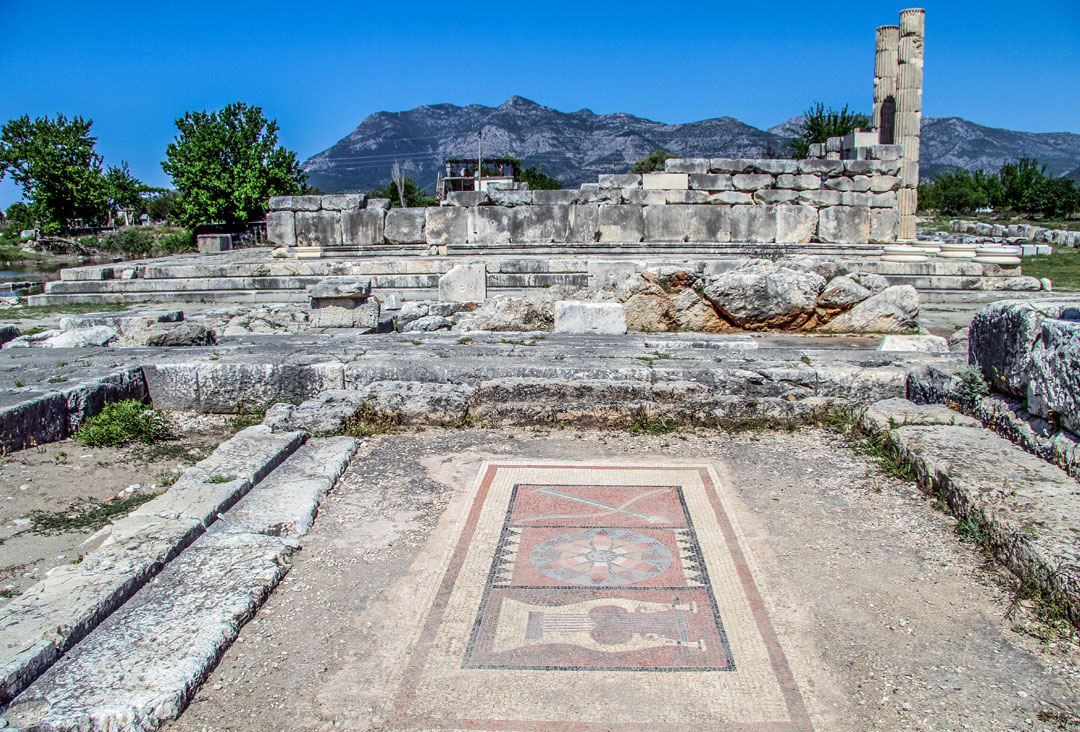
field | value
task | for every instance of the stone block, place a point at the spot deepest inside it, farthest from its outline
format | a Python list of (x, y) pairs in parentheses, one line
[(295, 203), (600, 195), (378, 204), (849, 198), (884, 223), (883, 200), (620, 180), (858, 183), (539, 224), (464, 283), (281, 228), (858, 167), (710, 182), (584, 223), (686, 165), (489, 225), (886, 152), (446, 225), (665, 181), (683, 197), (884, 183), (362, 227), (213, 243), (731, 198), (752, 181), (565, 197), (319, 228), (343, 201), (508, 197), (798, 182), (753, 224), (589, 317), (821, 198), (796, 224), (824, 168), (730, 165), (345, 313), (885, 167), (405, 225), (772, 195), (624, 223), (817, 150), (467, 198), (340, 287), (776, 166), (844, 225), (687, 223)]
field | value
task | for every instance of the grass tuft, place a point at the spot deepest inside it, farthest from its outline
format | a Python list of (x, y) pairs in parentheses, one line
[(123, 422), (90, 517)]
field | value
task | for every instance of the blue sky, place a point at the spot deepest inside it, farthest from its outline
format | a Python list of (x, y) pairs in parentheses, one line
[(319, 68)]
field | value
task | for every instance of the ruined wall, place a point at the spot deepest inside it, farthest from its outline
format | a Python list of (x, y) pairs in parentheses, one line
[(695, 200)]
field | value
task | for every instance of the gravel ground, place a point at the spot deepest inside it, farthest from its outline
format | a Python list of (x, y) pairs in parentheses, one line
[(899, 624)]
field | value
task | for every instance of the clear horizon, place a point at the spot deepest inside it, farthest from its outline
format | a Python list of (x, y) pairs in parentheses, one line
[(135, 69)]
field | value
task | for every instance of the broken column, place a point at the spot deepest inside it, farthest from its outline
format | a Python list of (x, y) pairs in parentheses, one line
[(909, 114), (886, 71)]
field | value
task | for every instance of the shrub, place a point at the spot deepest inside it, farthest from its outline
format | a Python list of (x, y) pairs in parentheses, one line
[(176, 242), (972, 384), (122, 422)]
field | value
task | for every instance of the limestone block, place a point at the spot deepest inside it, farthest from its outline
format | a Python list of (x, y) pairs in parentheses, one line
[(817, 150), (710, 182), (343, 201), (686, 165), (357, 288), (665, 181), (361, 227), (858, 183), (883, 200), (539, 224), (683, 197), (344, 313), (884, 223), (821, 198), (824, 168), (507, 197), (467, 198), (884, 183), (584, 223), (295, 203), (565, 197), (589, 317), (624, 223), (378, 204), (730, 165), (886, 152), (213, 243), (281, 228), (796, 223), (405, 225), (844, 224), (730, 197), (464, 283), (489, 225), (446, 225), (772, 195), (886, 167), (752, 181), (799, 182), (600, 195), (914, 344), (687, 223), (320, 228), (858, 167), (776, 166), (620, 180), (851, 198), (834, 144), (753, 223), (638, 197)]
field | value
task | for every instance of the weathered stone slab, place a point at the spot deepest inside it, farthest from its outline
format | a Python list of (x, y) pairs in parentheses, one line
[(710, 182), (342, 201), (753, 223), (378, 204), (893, 310), (340, 287), (589, 317), (884, 223), (464, 283), (319, 228), (362, 227), (752, 181), (539, 223), (889, 414), (405, 225), (446, 225), (914, 343), (214, 243), (281, 228), (730, 165), (665, 181), (556, 198), (467, 198), (620, 180), (796, 223), (687, 223), (489, 225), (686, 165), (844, 224), (510, 197), (624, 223), (345, 313), (776, 166)]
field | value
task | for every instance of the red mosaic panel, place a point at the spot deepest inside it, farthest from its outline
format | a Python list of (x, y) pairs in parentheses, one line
[(597, 505)]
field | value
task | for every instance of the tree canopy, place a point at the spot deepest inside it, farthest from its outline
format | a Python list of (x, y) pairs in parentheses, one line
[(819, 124), (1021, 187), (226, 165), (55, 164), (411, 193), (652, 162), (538, 180)]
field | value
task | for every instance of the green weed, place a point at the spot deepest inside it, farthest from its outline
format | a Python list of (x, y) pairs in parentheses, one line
[(91, 516), (122, 422)]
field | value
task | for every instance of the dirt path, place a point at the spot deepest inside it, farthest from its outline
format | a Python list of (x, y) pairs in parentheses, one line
[(888, 621)]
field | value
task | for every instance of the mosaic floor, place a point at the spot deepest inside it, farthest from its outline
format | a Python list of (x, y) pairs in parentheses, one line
[(603, 597)]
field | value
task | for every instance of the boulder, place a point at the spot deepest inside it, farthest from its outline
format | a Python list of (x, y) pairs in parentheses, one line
[(693, 313), (873, 282), (426, 324), (827, 268), (649, 312), (411, 311), (893, 310), (958, 341), (99, 335), (843, 292), (508, 314), (589, 317), (763, 294), (185, 334)]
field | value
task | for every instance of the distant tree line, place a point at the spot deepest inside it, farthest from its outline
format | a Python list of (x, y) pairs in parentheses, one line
[(1023, 187)]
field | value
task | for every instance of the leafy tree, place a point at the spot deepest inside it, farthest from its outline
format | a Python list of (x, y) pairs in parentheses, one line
[(1018, 180), (55, 163), (819, 124), (225, 166), (538, 180), (953, 192), (161, 205), (1052, 197), (652, 162), (123, 190), (18, 216), (413, 194)]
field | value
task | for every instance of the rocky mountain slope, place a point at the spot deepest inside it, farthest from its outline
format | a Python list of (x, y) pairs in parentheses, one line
[(575, 147)]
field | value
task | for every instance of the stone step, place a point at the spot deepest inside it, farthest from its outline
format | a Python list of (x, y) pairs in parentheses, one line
[(1027, 507), (40, 625), (141, 666)]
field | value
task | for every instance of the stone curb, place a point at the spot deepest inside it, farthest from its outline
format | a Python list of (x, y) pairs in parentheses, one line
[(40, 625), (1026, 506)]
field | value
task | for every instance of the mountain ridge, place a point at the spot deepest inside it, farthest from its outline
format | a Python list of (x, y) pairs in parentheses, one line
[(575, 147)]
